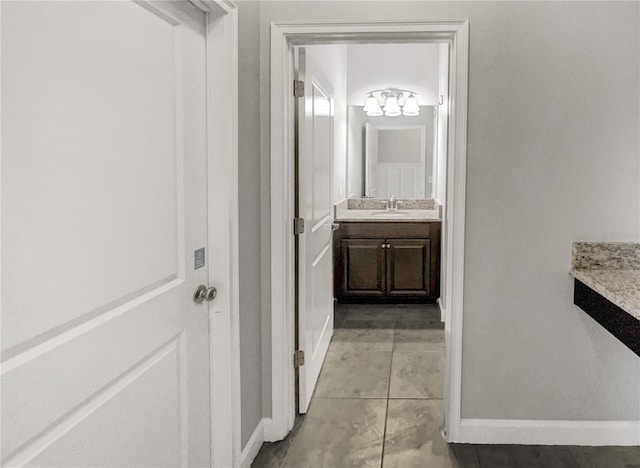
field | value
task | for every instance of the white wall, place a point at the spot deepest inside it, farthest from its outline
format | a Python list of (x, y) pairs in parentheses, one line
[(355, 152), (332, 60), (440, 165), (440, 160), (404, 66), (552, 158)]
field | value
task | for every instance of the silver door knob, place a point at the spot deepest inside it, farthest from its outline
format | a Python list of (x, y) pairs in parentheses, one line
[(203, 293)]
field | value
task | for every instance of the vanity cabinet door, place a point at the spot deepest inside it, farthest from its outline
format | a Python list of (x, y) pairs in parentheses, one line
[(409, 267), (363, 262)]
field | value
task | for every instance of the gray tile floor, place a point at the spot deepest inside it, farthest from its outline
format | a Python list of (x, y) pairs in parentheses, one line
[(378, 403)]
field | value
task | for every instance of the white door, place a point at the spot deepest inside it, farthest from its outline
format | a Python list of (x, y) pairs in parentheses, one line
[(105, 355), (315, 266), (371, 161)]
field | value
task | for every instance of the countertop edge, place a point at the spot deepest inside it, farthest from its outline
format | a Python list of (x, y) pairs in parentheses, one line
[(365, 216), (605, 292), (387, 220)]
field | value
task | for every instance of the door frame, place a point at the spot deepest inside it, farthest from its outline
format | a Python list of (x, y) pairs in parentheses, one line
[(284, 35), (223, 235)]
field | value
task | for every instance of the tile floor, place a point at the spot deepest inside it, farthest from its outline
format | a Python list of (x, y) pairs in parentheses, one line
[(378, 403)]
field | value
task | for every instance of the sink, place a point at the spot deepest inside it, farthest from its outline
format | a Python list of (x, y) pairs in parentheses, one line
[(391, 214)]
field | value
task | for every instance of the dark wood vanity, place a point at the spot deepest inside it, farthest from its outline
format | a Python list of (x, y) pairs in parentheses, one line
[(387, 262)]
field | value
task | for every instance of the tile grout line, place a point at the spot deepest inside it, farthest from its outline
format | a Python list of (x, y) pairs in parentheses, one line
[(386, 413)]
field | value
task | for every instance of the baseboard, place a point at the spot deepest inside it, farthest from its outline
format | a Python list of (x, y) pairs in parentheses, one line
[(533, 432), (271, 433), (443, 311), (252, 448)]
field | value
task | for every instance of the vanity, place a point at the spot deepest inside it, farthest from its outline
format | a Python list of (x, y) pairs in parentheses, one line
[(387, 254)]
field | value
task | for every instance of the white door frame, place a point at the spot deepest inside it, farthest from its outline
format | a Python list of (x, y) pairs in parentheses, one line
[(283, 36), (223, 253)]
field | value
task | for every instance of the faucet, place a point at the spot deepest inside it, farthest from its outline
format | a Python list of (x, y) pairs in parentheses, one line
[(392, 204)]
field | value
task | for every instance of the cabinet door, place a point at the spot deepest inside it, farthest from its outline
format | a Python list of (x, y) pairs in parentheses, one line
[(363, 267), (408, 267)]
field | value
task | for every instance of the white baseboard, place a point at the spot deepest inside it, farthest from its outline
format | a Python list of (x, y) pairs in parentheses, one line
[(532, 432), (272, 433), (252, 448)]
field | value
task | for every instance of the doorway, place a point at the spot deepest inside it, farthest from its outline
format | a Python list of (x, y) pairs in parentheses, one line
[(284, 37)]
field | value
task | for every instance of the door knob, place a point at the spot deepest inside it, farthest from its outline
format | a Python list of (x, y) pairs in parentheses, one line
[(203, 293)]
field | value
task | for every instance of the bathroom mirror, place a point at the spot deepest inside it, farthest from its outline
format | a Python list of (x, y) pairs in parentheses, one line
[(390, 156)]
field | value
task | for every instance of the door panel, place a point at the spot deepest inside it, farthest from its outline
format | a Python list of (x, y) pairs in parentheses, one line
[(364, 267), (408, 265), (159, 420), (103, 205), (315, 270)]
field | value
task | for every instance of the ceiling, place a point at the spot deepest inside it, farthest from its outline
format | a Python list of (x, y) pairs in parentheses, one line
[(405, 66)]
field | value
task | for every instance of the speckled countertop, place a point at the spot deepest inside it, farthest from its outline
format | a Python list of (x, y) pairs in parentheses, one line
[(373, 210), (404, 216), (612, 269)]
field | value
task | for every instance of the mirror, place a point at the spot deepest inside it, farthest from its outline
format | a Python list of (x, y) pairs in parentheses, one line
[(391, 155)]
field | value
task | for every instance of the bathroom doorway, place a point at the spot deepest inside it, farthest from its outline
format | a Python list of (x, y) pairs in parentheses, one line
[(284, 38), (365, 178)]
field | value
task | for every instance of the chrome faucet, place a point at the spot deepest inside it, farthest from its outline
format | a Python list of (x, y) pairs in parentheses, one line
[(392, 204)]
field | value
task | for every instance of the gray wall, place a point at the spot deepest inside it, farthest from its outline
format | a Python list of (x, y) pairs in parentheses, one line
[(403, 145), (250, 220), (552, 157)]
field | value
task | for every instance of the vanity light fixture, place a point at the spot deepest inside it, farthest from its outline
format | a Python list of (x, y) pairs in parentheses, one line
[(371, 107), (394, 102)]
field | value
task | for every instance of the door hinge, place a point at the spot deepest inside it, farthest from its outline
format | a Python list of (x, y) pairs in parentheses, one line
[(298, 226), (298, 358), (298, 88)]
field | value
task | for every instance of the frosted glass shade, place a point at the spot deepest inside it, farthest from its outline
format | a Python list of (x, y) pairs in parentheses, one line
[(371, 107), (411, 107), (392, 108)]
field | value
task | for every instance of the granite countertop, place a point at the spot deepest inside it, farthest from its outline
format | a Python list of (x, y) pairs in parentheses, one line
[(373, 210), (612, 269), (412, 216)]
